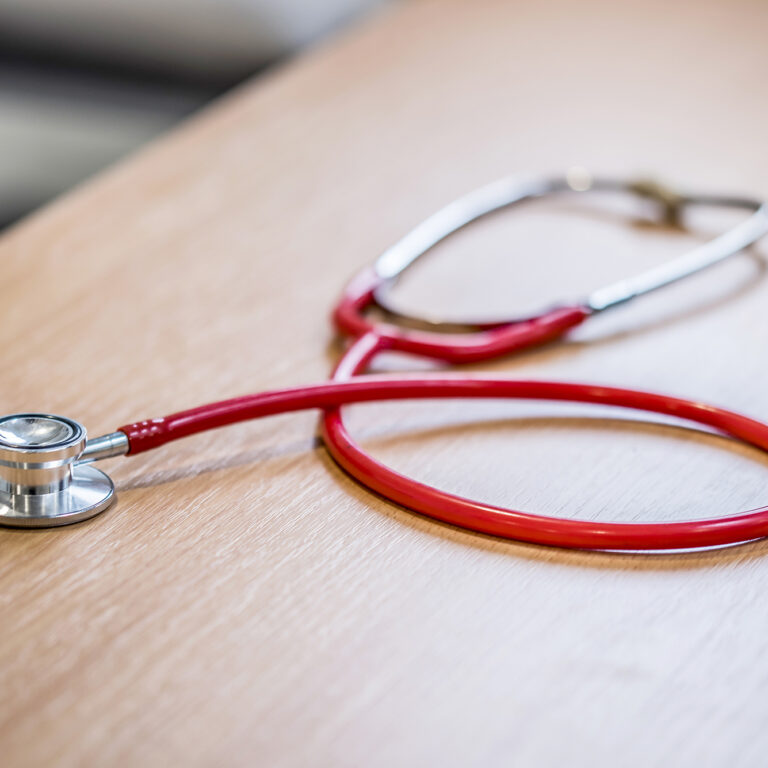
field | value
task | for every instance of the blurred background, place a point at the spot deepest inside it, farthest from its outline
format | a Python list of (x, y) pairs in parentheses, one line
[(84, 82)]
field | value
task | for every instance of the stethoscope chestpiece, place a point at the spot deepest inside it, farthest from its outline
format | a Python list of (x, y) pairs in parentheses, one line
[(41, 483)]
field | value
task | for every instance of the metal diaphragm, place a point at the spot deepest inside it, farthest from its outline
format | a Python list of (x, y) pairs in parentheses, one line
[(41, 484)]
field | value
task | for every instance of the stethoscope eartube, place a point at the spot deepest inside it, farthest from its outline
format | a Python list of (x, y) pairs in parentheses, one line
[(46, 477), (671, 204)]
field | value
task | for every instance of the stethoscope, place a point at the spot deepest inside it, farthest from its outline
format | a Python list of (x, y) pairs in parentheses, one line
[(47, 477)]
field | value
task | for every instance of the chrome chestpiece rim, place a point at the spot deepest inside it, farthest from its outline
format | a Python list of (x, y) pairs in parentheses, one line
[(41, 483)]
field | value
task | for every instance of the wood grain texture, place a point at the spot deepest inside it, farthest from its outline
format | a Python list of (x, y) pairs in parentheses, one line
[(247, 604)]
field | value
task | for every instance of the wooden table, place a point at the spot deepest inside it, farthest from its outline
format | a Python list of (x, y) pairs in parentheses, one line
[(245, 603)]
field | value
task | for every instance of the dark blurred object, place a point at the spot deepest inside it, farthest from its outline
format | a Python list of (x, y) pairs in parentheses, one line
[(83, 82), (60, 123)]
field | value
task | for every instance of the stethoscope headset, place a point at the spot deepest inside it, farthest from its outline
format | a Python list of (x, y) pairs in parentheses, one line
[(47, 477)]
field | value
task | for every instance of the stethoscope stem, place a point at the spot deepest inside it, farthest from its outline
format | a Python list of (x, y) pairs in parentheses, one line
[(105, 447)]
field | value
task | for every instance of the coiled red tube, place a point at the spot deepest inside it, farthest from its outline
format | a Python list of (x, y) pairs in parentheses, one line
[(538, 529), (453, 509)]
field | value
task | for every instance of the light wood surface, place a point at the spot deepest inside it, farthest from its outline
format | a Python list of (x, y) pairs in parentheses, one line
[(247, 604)]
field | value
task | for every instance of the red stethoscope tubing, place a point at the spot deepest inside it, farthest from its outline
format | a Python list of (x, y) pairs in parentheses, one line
[(350, 386), (484, 341), (349, 317), (540, 529)]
